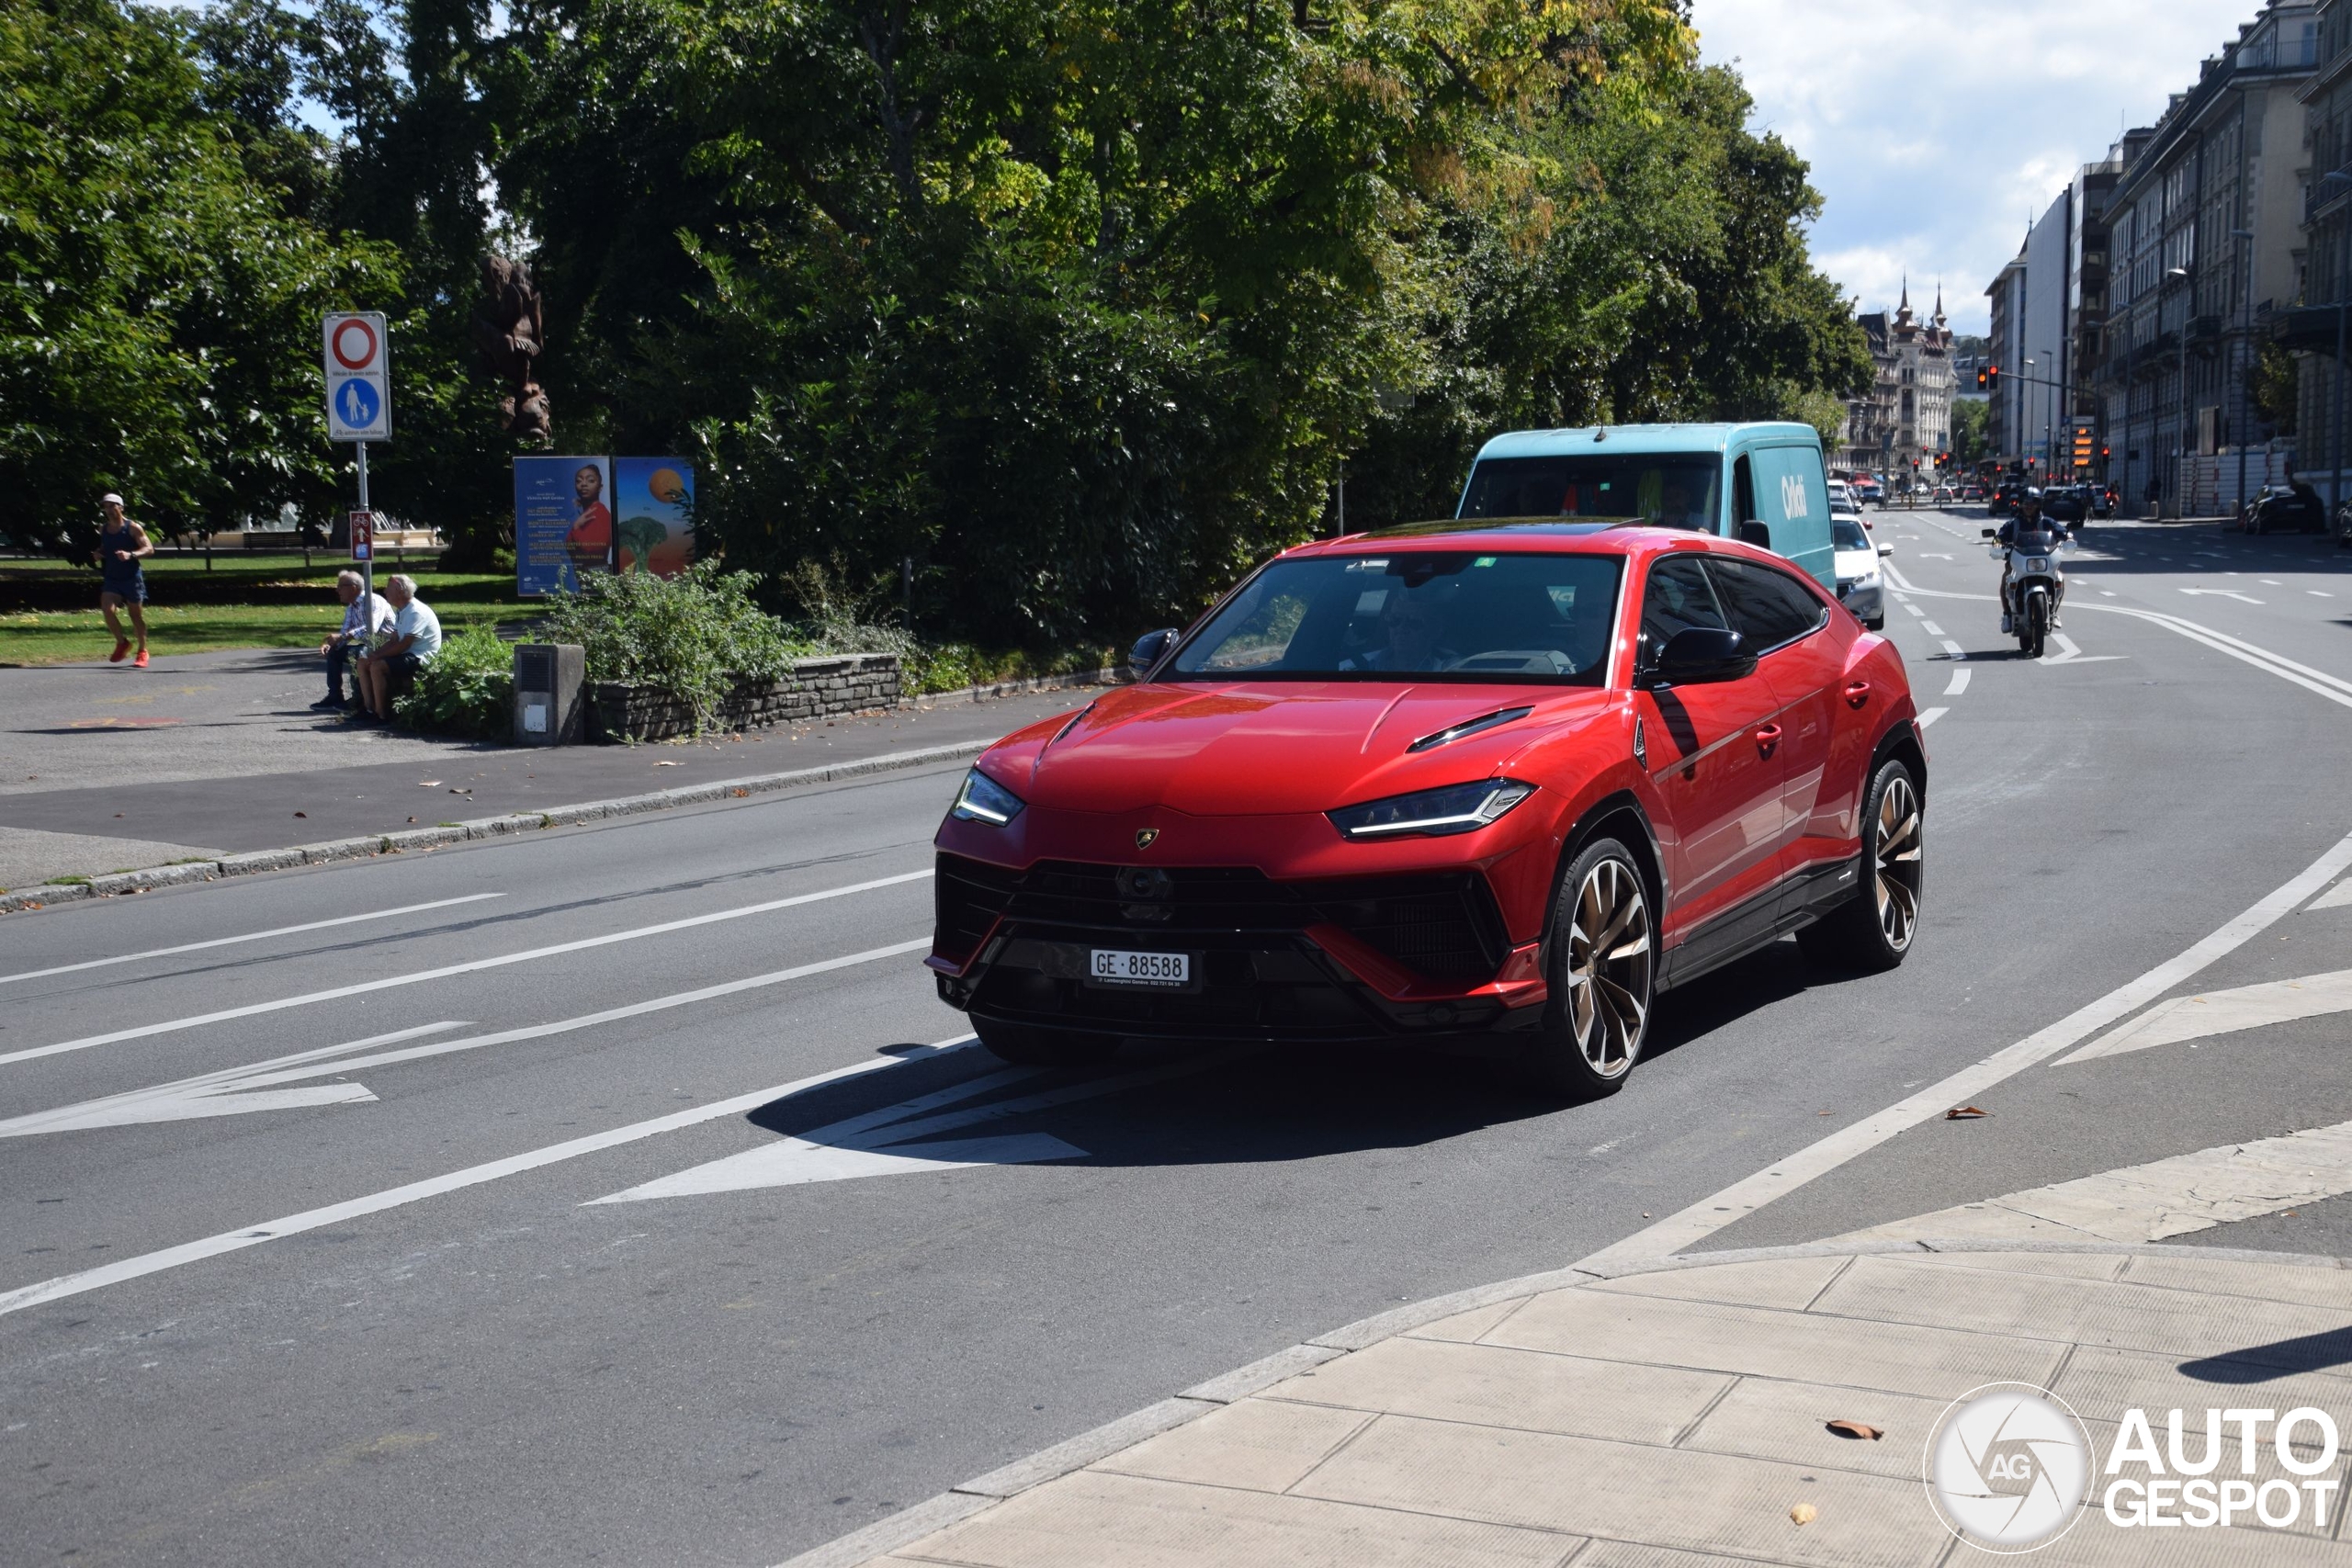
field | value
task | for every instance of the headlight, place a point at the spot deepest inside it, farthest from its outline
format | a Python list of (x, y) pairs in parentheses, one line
[(982, 800), (2037, 563), (1459, 809)]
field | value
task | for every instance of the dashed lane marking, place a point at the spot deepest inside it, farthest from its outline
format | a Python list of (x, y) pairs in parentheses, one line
[(2224, 1013), (1959, 682), (250, 936), (1931, 717)]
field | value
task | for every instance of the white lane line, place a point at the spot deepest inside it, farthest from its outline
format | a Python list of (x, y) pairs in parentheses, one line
[(1931, 628), (1931, 717), (2221, 593), (2334, 898), (2148, 1202), (1914, 609), (2319, 593), (1686, 1229), (469, 967), (229, 1091), (1959, 682), (2268, 582), (1954, 648), (2224, 1013), (115, 1273), (253, 936), (890, 1141)]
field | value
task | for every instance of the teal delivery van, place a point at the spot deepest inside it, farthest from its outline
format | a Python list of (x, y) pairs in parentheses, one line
[(1763, 482)]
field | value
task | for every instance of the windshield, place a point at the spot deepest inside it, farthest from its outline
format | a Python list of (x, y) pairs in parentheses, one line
[(1452, 617), (1849, 535), (1677, 489)]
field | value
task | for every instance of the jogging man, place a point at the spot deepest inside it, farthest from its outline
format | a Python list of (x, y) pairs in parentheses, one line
[(122, 544)]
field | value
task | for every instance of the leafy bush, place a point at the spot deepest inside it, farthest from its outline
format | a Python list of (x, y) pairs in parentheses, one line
[(465, 689), (686, 636)]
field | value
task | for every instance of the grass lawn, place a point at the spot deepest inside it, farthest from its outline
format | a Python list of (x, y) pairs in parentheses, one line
[(49, 611)]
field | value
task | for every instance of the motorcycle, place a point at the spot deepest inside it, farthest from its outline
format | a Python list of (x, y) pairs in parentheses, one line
[(2036, 585)]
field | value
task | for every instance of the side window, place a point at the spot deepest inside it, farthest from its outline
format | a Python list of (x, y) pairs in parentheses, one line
[(1742, 481), (1678, 597), (1767, 608)]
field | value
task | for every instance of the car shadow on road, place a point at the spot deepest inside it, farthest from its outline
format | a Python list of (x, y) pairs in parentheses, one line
[(1182, 1103), (2279, 1359)]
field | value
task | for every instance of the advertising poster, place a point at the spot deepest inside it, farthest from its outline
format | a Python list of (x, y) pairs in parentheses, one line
[(563, 522), (654, 498)]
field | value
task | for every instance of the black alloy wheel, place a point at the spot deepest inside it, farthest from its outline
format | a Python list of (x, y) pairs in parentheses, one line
[(1875, 930), (1601, 964)]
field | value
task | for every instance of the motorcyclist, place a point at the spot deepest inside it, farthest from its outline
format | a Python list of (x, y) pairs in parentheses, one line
[(2025, 525)]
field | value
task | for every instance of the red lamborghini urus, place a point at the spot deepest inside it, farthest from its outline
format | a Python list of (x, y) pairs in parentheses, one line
[(1461, 777)]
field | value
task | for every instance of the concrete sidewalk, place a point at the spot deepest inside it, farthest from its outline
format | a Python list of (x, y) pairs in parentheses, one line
[(105, 769), (1672, 1418)]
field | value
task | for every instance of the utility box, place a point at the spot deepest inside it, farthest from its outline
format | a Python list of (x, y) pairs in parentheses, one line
[(550, 679)]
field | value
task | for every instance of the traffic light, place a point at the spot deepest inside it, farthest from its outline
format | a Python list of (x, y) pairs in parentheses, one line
[(1983, 380), (1990, 378)]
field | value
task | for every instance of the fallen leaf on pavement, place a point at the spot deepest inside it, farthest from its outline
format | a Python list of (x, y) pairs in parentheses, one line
[(302, 814), (412, 818), (667, 765), (741, 794), (1804, 1513), (1966, 1113), (1857, 1430)]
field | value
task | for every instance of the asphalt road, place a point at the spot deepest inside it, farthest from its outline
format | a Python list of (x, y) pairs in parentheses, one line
[(366, 1306)]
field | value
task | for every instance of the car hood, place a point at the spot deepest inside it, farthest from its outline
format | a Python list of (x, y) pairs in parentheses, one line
[(1856, 563), (1240, 749)]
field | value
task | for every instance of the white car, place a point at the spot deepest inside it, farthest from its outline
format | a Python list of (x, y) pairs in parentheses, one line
[(1860, 585)]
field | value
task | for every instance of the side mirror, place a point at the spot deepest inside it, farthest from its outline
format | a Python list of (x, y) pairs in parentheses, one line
[(1887, 549), (1150, 649), (1757, 534), (1697, 656)]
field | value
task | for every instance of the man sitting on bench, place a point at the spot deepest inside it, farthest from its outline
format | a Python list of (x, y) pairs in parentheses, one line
[(417, 638)]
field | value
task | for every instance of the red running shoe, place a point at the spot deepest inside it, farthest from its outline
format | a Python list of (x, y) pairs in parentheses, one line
[(141, 662), (122, 647)]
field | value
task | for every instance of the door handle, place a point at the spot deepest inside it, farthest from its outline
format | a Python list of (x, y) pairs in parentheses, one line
[(1768, 738), (1857, 694)]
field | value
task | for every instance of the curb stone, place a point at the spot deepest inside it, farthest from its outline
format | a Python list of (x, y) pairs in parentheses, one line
[(961, 1502), (368, 846)]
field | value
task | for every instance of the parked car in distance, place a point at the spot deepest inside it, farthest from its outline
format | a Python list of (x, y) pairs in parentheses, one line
[(1504, 778), (1972, 493), (2292, 508), (2065, 504), (1944, 495)]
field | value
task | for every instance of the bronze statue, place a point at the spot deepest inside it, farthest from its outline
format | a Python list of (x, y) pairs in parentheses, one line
[(510, 333)]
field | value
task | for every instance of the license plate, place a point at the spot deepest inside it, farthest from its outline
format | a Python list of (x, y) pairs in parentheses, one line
[(1117, 966)]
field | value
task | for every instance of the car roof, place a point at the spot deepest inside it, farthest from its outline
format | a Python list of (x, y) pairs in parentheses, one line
[(1530, 536), (1641, 438)]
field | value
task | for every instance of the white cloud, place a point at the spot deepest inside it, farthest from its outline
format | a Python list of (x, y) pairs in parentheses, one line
[(1936, 129)]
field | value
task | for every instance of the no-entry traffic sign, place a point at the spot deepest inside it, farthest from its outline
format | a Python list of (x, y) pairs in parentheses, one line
[(358, 379)]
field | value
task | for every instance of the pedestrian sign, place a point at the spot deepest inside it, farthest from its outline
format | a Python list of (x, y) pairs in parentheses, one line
[(362, 535), (358, 378)]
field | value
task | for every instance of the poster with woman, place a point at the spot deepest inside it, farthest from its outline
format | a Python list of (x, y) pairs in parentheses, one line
[(563, 522), (655, 499)]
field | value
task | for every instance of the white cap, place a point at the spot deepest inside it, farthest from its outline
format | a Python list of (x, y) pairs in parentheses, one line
[(109, 499)]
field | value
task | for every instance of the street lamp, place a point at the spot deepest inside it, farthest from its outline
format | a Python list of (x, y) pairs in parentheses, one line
[(2335, 431), (2182, 276)]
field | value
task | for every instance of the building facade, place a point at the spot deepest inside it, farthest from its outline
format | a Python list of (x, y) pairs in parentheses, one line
[(2205, 245), (1905, 422), (2312, 329)]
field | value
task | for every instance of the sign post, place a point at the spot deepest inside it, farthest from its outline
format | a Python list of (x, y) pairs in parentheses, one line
[(359, 409)]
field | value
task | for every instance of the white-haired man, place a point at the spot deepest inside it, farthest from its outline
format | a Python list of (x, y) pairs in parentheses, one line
[(364, 619), (417, 638)]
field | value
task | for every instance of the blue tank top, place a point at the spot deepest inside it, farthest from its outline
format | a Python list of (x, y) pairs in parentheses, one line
[(123, 574)]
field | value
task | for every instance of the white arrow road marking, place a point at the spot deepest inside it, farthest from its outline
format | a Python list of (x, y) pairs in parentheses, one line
[(2334, 898), (2221, 593), (472, 966), (2069, 654), (229, 1091), (115, 1273), (253, 936), (889, 1142), (1682, 1231), (234, 1091), (1959, 682), (2224, 1013), (2149, 1203)]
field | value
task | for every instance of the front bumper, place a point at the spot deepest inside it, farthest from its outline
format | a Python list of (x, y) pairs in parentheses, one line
[(1866, 598), (1345, 960)]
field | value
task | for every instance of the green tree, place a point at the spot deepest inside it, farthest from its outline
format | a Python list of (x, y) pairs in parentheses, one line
[(161, 302), (1968, 417)]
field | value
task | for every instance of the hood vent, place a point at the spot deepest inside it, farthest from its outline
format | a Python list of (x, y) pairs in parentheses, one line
[(1453, 732)]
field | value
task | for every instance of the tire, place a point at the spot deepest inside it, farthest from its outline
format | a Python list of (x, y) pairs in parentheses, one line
[(1875, 623), (1603, 966), (2037, 625), (1874, 930), (1026, 1047)]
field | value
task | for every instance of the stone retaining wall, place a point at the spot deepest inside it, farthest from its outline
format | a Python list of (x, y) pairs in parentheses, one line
[(817, 688)]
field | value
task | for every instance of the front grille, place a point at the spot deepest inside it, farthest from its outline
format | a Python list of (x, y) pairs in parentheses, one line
[(1442, 925)]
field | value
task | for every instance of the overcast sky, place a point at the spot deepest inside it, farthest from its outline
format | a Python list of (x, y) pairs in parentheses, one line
[(1936, 127)]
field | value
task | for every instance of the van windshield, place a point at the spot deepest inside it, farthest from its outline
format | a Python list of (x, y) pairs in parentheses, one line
[(1676, 489)]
